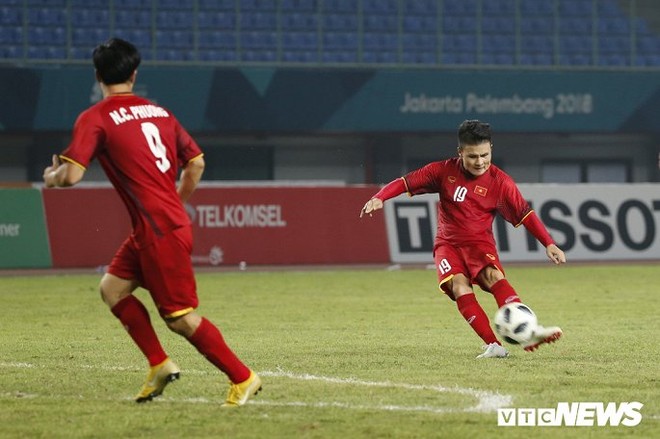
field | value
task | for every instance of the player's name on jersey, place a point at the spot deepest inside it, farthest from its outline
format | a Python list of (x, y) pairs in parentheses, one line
[(135, 112)]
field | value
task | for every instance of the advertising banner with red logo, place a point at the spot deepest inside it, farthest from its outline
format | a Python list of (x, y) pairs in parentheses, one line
[(232, 225)]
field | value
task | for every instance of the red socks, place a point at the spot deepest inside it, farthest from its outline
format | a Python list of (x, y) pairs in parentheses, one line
[(476, 317), (135, 318), (504, 293), (209, 342)]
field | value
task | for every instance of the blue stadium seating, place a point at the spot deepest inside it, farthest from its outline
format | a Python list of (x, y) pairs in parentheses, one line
[(490, 32), (299, 21), (299, 5), (216, 19), (300, 41)]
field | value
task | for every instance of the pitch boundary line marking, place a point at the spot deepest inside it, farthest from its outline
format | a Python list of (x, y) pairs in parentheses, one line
[(487, 401)]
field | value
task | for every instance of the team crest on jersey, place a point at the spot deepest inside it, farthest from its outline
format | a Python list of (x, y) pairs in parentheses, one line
[(451, 179), (480, 190)]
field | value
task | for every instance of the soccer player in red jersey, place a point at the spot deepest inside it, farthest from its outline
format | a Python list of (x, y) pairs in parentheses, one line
[(471, 191), (141, 147)]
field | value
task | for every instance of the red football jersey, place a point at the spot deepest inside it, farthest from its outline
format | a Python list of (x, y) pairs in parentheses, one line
[(468, 204), (141, 147)]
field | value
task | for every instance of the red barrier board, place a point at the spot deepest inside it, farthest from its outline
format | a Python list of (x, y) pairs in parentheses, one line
[(85, 225), (256, 225)]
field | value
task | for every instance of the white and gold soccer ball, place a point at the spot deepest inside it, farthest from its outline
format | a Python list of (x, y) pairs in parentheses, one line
[(515, 323)]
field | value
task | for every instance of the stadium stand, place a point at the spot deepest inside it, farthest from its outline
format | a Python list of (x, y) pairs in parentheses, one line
[(566, 33)]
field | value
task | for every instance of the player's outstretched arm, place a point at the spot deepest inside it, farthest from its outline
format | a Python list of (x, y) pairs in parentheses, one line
[(62, 174), (555, 254), (390, 190), (371, 206)]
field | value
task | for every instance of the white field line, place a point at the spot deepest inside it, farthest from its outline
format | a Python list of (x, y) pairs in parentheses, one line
[(486, 401)]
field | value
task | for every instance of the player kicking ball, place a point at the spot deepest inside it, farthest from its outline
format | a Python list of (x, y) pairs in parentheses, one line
[(471, 191)]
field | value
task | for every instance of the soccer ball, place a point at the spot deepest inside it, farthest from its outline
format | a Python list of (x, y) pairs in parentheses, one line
[(515, 323)]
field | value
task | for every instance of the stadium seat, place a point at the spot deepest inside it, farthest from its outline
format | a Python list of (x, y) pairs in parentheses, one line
[(300, 56), (257, 5), (575, 8), (455, 58), (217, 55), (174, 20), (419, 57), (258, 55), (459, 43), (187, 5), (216, 20), (300, 41), (536, 8), (614, 26), (340, 40), (11, 52), (345, 6), (380, 41), (496, 8), (384, 7), (299, 5), (259, 40), (174, 39), (420, 24), (537, 26), (451, 24), (88, 36), (337, 22), (174, 55), (133, 4), (90, 18), (11, 35), (575, 26), (298, 21), (420, 7), (258, 21), (140, 37), (217, 5), (127, 18), (380, 23), (47, 17), (536, 59), (460, 7), (613, 60), (339, 56), (217, 39), (11, 16), (498, 43), (419, 42), (379, 57), (498, 25), (608, 8), (537, 44)]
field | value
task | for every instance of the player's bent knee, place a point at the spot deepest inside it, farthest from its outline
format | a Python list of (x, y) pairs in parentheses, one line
[(184, 325)]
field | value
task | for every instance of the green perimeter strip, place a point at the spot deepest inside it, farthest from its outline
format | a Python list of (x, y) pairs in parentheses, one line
[(23, 234)]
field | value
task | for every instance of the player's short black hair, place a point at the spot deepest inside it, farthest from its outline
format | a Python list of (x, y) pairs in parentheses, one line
[(473, 132), (115, 60)]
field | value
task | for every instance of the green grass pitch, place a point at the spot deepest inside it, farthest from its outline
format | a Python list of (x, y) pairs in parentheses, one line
[(343, 353)]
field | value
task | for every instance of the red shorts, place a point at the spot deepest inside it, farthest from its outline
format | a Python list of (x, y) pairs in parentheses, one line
[(164, 268), (468, 260)]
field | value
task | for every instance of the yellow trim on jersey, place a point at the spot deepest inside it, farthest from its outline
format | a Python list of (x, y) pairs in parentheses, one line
[(67, 159), (444, 281), (405, 183), (179, 313), (196, 157), (521, 221)]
